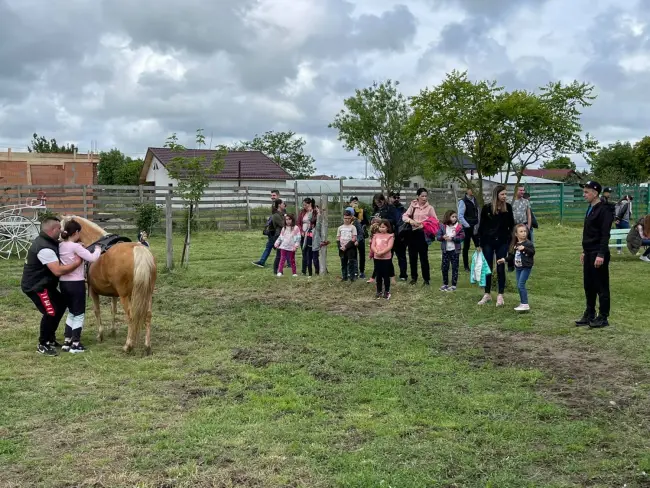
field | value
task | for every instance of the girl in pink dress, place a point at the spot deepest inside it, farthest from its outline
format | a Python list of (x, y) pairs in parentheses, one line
[(73, 285)]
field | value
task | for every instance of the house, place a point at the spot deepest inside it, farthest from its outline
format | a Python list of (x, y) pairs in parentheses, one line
[(29, 168), (552, 174), (241, 168)]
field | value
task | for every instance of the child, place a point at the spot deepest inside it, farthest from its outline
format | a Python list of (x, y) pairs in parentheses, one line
[(360, 244), (142, 238), (73, 285), (288, 243), (521, 254), (381, 247), (346, 236), (451, 236)]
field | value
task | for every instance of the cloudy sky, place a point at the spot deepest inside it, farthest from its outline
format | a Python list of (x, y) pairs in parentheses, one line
[(128, 73)]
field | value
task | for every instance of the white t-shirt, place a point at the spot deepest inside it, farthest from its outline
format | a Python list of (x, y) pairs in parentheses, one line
[(345, 233), (450, 230), (47, 256)]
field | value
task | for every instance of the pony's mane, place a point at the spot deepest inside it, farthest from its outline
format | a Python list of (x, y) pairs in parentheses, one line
[(87, 224)]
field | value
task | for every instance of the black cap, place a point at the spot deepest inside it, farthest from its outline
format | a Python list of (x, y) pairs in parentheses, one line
[(394, 194), (354, 199), (607, 189), (594, 185)]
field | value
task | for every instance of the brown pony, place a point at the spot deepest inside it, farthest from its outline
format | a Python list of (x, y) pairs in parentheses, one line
[(128, 271)]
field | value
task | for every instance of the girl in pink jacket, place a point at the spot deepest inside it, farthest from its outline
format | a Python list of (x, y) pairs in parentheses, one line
[(73, 285), (288, 243)]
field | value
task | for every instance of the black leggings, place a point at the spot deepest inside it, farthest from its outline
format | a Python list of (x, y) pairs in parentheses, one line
[(492, 251), (383, 268), (74, 294)]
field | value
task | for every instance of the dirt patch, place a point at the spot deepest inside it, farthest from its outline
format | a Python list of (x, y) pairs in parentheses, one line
[(582, 378), (259, 357)]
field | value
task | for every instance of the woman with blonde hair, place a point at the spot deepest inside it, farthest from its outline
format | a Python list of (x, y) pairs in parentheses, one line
[(494, 233)]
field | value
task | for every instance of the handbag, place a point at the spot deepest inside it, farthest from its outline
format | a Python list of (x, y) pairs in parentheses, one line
[(267, 228), (405, 229)]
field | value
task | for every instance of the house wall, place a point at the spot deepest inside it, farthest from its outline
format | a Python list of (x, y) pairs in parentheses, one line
[(47, 169)]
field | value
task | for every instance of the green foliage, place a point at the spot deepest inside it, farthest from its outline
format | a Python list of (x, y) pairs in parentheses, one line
[(46, 214), (559, 162), (42, 145), (618, 163), (455, 120), (285, 149), (115, 168), (642, 154), (375, 123), (148, 215)]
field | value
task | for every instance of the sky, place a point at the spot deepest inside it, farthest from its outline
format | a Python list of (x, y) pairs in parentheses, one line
[(128, 74)]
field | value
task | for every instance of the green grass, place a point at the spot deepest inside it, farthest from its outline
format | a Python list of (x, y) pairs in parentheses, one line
[(257, 381)]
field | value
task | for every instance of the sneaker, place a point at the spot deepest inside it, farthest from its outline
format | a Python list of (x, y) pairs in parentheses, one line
[(77, 348), (599, 322), (66, 345), (279, 275), (586, 319), (378, 295), (486, 299), (46, 350), (619, 252), (295, 275), (645, 258), (426, 283), (443, 288), (451, 289), (500, 301), (524, 307), (54, 344), (403, 279), (387, 296), (258, 264), (362, 276)]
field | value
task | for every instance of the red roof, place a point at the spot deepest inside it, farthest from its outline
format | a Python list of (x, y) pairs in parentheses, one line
[(548, 173), (255, 165)]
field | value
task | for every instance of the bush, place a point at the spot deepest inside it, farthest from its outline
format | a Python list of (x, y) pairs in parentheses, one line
[(148, 215), (46, 214)]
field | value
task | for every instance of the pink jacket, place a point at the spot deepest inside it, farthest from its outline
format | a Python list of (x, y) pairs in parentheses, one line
[(418, 213), (67, 252), (431, 226), (381, 243), (289, 239)]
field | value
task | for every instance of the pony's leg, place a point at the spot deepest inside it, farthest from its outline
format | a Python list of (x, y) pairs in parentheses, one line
[(98, 315), (130, 340), (114, 311), (147, 337)]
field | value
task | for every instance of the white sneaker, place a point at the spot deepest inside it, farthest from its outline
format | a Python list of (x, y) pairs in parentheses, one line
[(295, 275), (522, 308), (645, 258), (486, 298), (279, 275)]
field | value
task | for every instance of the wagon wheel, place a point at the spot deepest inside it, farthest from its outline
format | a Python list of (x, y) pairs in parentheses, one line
[(16, 235)]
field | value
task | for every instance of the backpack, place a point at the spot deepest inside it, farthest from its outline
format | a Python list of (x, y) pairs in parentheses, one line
[(268, 228)]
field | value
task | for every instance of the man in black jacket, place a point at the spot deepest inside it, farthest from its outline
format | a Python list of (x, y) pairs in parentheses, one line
[(468, 216), (40, 280), (399, 247), (595, 257)]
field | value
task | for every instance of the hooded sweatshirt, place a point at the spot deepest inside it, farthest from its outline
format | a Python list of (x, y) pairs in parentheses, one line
[(418, 213)]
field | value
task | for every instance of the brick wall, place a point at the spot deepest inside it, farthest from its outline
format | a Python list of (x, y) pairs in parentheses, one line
[(13, 173)]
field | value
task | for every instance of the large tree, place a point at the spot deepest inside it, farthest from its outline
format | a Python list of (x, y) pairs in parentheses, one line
[(374, 123), (539, 126), (115, 168), (457, 120), (192, 172), (285, 149), (42, 145), (559, 162), (617, 164), (642, 154)]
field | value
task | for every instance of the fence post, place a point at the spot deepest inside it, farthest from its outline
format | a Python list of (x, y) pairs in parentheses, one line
[(341, 196), (85, 197), (248, 210), (168, 229), (295, 196), (324, 224), (141, 193), (18, 194), (561, 203)]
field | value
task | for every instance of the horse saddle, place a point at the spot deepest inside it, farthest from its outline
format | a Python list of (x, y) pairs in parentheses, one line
[(107, 241)]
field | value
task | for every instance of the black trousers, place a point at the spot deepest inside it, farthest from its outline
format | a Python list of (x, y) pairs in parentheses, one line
[(383, 272), (362, 256), (52, 305), (418, 248), (349, 262), (74, 294), (399, 249), (469, 237), (596, 283)]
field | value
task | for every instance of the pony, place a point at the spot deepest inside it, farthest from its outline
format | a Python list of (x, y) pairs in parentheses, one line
[(127, 270)]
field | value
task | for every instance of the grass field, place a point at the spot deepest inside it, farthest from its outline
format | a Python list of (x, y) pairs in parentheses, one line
[(257, 381)]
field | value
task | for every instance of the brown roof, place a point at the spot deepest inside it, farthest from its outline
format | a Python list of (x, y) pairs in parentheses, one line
[(255, 165), (548, 173)]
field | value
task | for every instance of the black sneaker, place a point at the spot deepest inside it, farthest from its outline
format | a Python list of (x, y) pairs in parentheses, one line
[(426, 283), (387, 295), (54, 344), (599, 322), (258, 264), (586, 319), (378, 295), (66, 346), (46, 350), (76, 348)]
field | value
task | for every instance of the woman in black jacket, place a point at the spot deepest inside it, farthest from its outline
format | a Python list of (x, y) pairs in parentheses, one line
[(494, 234)]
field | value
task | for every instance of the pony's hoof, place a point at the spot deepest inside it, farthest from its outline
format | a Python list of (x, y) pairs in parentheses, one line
[(128, 349), (100, 337), (147, 351)]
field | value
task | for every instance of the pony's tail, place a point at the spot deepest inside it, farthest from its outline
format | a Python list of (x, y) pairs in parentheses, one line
[(144, 280)]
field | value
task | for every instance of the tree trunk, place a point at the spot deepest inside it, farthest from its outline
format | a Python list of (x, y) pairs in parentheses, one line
[(480, 188), (185, 259)]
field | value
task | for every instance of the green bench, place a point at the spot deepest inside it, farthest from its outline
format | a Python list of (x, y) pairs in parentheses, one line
[(618, 235)]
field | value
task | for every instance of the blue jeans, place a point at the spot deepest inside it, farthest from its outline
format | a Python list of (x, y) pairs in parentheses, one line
[(267, 250), (530, 235), (522, 275), (623, 224)]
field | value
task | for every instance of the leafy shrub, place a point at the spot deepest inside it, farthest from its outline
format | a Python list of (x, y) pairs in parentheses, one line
[(148, 215)]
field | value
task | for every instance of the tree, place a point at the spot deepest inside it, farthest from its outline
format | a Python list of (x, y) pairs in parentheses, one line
[(457, 120), (193, 175), (375, 124), (535, 127), (115, 168), (559, 162), (42, 145), (284, 149), (617, 164), (642, 154)]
